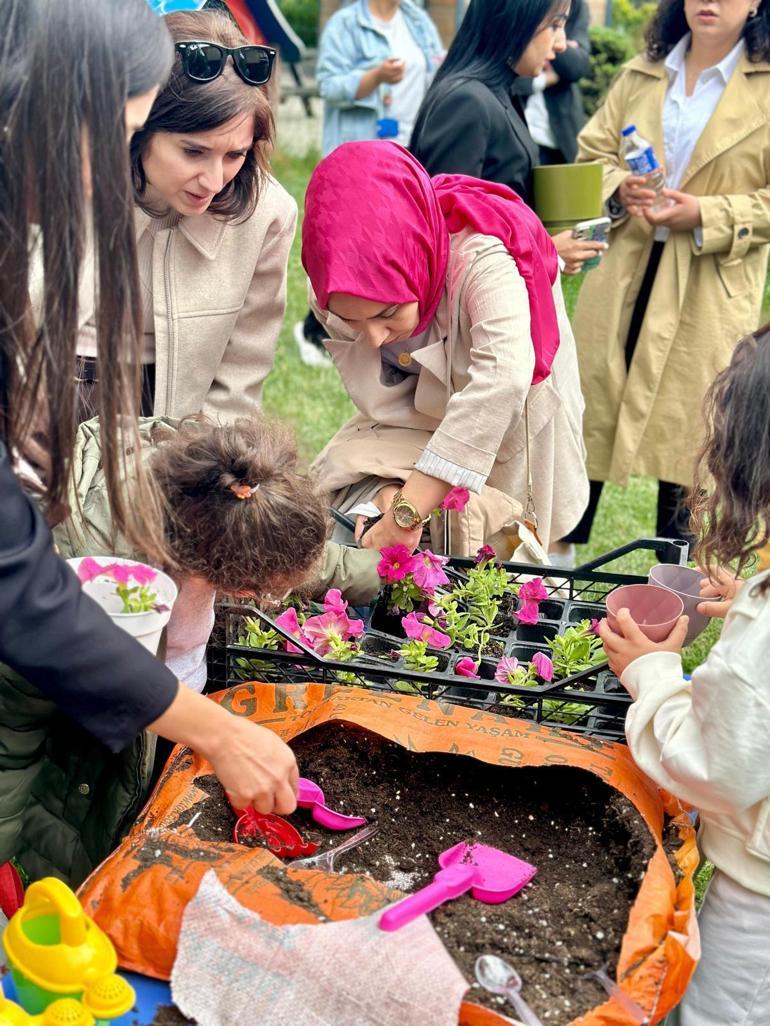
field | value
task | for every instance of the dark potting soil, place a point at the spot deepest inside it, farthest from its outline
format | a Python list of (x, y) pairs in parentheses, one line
[(588, 842), (169, 1015), (494, 649)]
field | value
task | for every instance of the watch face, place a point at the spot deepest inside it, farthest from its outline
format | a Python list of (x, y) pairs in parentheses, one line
[(404, 517)]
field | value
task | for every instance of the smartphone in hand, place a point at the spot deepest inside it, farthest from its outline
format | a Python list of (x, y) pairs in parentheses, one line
[(597, 230)]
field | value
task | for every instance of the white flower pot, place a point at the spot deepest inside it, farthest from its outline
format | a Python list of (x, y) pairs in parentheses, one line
[(145, 627)]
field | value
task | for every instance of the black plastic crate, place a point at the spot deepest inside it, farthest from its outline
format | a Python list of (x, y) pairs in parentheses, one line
[(590, 702)]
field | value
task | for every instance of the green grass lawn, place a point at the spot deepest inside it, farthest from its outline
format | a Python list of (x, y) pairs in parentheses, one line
[(315, 402)]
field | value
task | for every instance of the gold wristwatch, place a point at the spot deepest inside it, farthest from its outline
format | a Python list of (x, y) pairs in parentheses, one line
[(405, 514)]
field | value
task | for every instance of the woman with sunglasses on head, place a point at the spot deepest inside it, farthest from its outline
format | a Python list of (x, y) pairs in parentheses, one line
[(472, 121), (213, 230), (57, 645)]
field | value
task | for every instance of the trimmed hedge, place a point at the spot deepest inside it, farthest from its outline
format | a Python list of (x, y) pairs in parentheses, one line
[(610, 48)]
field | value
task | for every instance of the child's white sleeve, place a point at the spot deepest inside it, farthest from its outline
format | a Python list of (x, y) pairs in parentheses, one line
[(705, 740)]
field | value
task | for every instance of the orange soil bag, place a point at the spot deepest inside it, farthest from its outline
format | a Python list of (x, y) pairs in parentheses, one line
[(139, 893)]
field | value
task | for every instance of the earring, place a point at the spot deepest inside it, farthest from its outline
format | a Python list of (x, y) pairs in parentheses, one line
[(754, 13)]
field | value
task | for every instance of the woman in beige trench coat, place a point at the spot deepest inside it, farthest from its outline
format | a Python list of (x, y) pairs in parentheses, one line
[(213, 233), (660, 317), (446, 321)]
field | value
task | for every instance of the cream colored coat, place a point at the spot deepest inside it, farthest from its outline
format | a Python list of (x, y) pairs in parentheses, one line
[(650, 420), (466, 405), (219, 293)]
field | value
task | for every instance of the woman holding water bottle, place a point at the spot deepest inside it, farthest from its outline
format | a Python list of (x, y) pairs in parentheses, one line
[(684, 276)]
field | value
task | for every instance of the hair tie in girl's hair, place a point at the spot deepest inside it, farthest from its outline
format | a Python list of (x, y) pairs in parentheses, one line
[(241, 490)]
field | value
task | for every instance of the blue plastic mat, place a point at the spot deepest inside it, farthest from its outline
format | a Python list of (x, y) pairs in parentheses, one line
[(150, 995)]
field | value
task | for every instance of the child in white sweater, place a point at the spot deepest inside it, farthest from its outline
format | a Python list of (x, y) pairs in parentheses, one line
[(708, 740)]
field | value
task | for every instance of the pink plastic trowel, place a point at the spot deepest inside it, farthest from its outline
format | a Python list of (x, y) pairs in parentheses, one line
[(489, 874), (310, 796)]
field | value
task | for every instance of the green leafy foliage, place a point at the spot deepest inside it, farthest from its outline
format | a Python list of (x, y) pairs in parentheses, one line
[(578, 648), (633, 17), (610, 49), (415, 656), (302, 15), (137, 598)]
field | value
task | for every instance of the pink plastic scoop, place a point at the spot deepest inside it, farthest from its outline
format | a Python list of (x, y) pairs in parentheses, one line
[(490, 875), (310, 796)]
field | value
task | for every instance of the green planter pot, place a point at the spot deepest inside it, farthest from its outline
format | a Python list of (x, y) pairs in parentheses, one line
[(567, 193)]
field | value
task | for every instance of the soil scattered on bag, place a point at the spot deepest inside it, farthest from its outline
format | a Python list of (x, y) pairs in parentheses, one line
[(589, 844), (169, 1015)]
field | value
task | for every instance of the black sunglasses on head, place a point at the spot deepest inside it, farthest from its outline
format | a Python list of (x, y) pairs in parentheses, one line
[(203, 62)]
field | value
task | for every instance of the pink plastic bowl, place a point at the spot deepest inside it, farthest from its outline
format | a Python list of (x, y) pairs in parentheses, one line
[(655, 610), (685, 583)]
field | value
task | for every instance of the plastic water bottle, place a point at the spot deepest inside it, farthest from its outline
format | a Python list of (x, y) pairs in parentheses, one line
[(640, 157)]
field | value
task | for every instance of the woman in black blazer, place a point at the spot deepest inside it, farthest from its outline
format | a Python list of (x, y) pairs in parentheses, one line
[(472, 121)]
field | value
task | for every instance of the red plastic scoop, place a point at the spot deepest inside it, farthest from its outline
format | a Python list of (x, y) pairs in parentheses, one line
[(489, 874), (281, 837)]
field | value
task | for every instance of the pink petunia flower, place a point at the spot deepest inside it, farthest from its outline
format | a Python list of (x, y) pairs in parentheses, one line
[(428, 573), (595, 627), (124, 573), (507, 666), (528, 613), (89, 569), (485, 554), (466, 667), (397, 561), (415, 628), (355, 628), (334, 602), (533, 591), (456, 498), (543, 665), (321, 630), (289, 622)]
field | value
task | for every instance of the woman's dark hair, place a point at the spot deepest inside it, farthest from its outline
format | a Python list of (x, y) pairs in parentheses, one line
[(669, 24), (492, 37), (67, 68), (274, 535), (731, 511), (186, 106)]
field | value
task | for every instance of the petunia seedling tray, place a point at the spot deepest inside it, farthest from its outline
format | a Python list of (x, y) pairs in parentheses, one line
[(590, 701)]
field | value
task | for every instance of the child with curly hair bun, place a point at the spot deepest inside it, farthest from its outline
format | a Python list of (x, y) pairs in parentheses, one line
[(239, 520)]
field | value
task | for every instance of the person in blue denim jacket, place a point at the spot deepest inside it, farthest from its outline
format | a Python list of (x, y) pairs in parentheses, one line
[(375, 63), (364, 73)]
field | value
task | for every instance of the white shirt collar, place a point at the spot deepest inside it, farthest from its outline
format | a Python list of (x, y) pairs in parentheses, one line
[(674, 63)]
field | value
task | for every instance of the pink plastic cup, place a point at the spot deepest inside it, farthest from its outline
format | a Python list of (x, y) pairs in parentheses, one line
[(655, 610), (685, 583)]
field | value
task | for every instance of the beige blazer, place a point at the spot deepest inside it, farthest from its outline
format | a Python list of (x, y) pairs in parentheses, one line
[(464, 410), (219, 295), (649, 420)]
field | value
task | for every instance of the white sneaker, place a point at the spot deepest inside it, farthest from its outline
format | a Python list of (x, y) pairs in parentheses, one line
[(310, 352), (564, 560)]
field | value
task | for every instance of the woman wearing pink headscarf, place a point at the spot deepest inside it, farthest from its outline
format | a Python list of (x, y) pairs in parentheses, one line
[(446, 321)]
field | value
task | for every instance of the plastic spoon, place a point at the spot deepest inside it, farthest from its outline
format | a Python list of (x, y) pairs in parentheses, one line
[(310, 796), (325, 860), (625, 1002), (491, 875), (498, 977)]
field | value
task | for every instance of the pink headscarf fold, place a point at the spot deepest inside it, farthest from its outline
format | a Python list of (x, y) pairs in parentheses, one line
[(377, 227)]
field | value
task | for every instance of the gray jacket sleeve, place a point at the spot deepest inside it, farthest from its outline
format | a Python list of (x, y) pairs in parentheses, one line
[(60, 640)]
